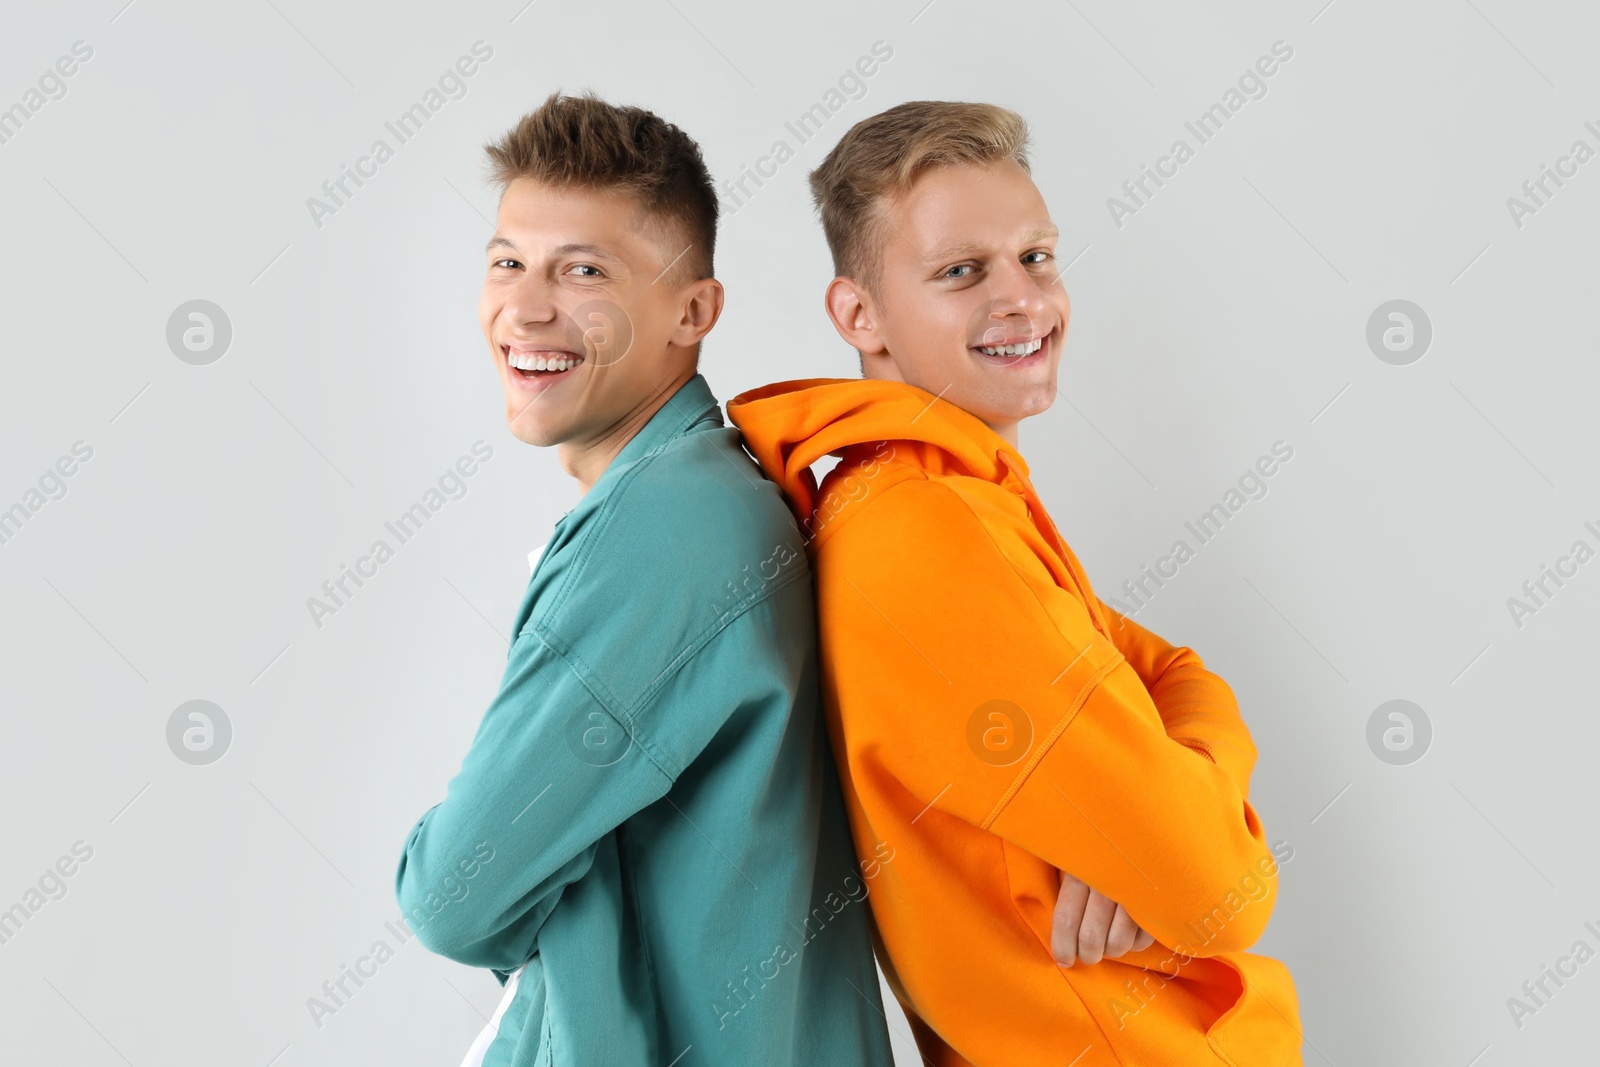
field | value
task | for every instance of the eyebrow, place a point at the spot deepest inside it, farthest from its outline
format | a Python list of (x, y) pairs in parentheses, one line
[(566, 249), (967, 248)]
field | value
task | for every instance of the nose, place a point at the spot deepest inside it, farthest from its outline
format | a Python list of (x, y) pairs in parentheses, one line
[(1014, 293), (530, 302), (1017, 282)]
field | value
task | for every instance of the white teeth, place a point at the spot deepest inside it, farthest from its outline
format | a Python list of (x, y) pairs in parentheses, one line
[(1026, 348), (529, 361)]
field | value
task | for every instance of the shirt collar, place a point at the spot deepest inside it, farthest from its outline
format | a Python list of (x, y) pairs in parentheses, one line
[(692, 403)]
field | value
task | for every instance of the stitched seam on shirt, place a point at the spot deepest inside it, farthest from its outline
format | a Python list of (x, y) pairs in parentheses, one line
[(1076, 593), (1089, 685), (1078, 698), (604, 515), (602, 520), (705, 636), (646, 745), (1116, 653), (608, 507), (589, 679)]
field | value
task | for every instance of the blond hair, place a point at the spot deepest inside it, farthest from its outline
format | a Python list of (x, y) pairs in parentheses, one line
[(881, 156)]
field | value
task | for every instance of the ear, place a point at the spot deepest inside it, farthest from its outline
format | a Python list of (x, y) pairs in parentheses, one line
[(854, 314), (701, 308)]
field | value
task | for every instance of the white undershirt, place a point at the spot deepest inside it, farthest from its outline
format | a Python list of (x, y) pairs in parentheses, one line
[(475, 1054)]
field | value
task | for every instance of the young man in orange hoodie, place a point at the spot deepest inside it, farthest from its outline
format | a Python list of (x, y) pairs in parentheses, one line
[(1078, 869)]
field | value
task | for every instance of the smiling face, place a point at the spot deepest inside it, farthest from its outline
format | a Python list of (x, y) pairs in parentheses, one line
[(588, 333), (969, 303)]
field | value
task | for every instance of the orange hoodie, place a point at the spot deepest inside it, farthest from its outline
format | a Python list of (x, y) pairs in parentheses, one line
[(996, 723)]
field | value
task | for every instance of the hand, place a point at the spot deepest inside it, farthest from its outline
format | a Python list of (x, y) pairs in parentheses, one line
[(1089, 927)]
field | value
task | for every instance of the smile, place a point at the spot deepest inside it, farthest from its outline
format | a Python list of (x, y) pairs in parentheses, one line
[(540, 362), (1025, 348), (1018, 354)]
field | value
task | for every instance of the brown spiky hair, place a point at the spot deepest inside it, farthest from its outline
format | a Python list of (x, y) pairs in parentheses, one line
[(584, 142), (881, 156)]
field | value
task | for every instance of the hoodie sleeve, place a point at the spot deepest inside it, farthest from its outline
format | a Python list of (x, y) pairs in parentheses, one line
[(1197, 707), (985, 691)]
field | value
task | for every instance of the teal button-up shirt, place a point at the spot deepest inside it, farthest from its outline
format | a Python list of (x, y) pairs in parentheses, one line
[(647, 833)]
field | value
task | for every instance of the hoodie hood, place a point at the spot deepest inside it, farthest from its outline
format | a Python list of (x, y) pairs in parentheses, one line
[(790, 425)]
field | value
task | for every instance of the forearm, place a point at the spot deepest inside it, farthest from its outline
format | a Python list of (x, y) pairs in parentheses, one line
[(482, 902), (520, 821), (1160, 830), (1197, 707)]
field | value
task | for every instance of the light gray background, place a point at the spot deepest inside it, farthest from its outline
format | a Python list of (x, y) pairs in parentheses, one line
[(1228, 313)]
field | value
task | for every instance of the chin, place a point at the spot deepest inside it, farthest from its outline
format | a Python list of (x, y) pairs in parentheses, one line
[(1042, 402), (1015, 408), (531, 432)]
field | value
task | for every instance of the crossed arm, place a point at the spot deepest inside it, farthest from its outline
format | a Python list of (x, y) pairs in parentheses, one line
[(1136, 785), (535, 809), (1198, 709)]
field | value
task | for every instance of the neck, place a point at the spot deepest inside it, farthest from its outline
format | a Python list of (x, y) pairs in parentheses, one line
[(585, 461), (1006, 430)]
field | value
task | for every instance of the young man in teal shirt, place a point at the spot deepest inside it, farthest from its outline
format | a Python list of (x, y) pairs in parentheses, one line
[(645, 842)]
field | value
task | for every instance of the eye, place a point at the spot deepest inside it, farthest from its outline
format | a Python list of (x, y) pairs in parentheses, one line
[(504, 262), (1044, 256), (959, 266), (588, 266)]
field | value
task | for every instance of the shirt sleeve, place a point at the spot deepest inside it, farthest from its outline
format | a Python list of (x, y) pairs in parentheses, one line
[(1197, 707), (927, 615), (550, 772)]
